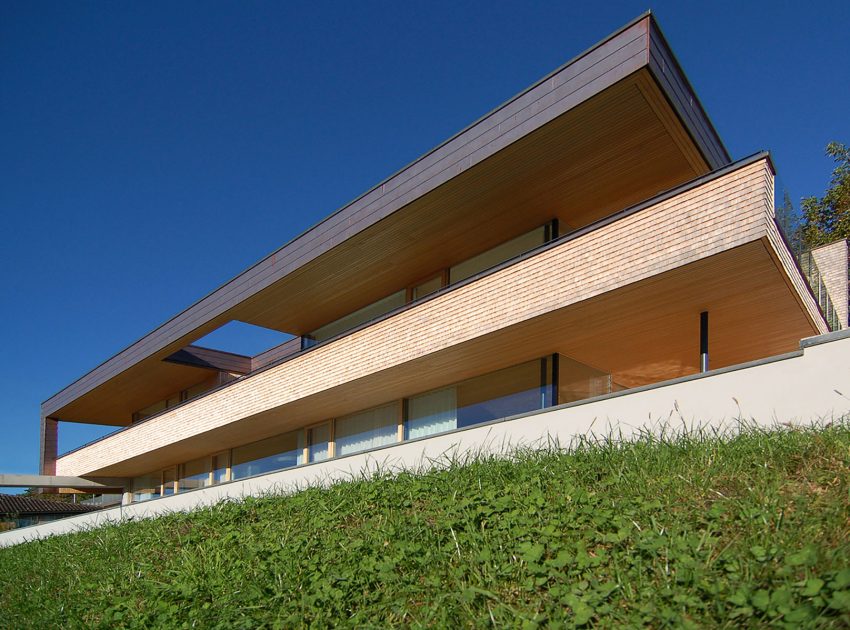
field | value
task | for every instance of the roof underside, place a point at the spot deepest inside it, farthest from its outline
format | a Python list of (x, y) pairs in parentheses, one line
[(614, 126)]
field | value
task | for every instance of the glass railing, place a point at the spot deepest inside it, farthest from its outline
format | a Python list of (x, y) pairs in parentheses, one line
[(819, 291), (789, 221)]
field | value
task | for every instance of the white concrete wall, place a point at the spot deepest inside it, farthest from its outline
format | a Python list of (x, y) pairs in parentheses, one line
[(810, 385)]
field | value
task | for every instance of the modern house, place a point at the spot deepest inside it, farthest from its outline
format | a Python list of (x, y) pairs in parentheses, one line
[(590, 235)]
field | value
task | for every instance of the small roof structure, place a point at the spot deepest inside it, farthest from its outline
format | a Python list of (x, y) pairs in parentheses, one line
[(27, 506)]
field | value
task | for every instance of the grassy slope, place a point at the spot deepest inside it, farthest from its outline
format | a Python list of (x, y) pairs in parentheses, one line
[(699, 531)]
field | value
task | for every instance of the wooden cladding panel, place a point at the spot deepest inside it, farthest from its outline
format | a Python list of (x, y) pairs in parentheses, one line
[(675, 85), (198, 356), (718, 216), (793, 277), (274, 354)]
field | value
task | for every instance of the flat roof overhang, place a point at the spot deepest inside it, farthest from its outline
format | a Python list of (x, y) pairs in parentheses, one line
[(614, 126), (713, 247)]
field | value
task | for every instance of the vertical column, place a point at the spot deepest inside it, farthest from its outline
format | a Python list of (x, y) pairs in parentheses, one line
[(48, 448), (703, 341), (402, 413), (556, 377)]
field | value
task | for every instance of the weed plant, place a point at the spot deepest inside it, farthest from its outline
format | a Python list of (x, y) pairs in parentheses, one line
[(696, 530)]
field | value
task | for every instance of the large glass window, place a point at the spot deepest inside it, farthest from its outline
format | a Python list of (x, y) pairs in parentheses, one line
[(194, 474), (169, 476), (275, 453), (200, 388), (499, 254), (186, 394), (367, 429), (146, 487), (427, 287), (504, 393), (220, 464), (319, 442), (577, 381), (352, 320), (500, 394), (434, 412), (149, 411)]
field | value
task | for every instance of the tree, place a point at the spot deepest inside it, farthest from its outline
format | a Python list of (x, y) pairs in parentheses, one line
[(790, 222), (827, 219)]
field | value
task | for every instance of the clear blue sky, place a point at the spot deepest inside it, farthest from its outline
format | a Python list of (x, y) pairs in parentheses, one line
[(151, 151)]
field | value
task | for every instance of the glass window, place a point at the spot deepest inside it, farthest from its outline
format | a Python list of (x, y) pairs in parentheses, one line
[(220, 464), (352, 320), (434, 412), (319, 440), (196, 390), (504, 393), (367, 429), (426, 288), (275, 453), (194, 474), (168, 477), (146, 487), (577, 381), (498, 254), (514, 390), (150, 410)]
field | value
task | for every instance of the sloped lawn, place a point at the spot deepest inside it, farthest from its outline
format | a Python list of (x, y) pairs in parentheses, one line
[(696, 531)]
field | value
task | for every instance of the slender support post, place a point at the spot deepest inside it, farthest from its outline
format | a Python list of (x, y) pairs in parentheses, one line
[(555, 377), (703, 341), (48, 448)]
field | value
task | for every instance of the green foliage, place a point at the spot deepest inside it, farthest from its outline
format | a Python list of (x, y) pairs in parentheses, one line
[(699, 531), (827, 219), (36, 493)]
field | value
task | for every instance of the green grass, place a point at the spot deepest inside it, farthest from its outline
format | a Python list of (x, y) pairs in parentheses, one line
[(700, 531)]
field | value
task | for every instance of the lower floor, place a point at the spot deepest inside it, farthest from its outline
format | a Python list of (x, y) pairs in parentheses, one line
[(528, 386), (805, 386)]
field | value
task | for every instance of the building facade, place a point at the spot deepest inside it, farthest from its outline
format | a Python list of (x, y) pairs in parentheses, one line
[(590, 235)]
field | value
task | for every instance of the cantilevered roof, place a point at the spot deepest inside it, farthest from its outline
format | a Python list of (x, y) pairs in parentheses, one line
[(615, 125)]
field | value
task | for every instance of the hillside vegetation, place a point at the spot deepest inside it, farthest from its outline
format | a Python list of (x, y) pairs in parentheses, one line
[(696, 531)]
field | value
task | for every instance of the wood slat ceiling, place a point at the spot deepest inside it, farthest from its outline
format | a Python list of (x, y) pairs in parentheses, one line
[(620, 147)]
